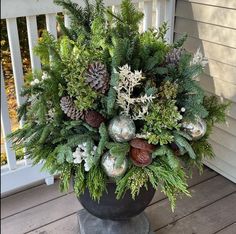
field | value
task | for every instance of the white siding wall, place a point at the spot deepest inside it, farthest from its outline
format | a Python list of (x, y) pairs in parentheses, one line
[(211, 25)]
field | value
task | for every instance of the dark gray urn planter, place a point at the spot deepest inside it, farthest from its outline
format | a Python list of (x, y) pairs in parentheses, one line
[(112, 216), (110, 208)]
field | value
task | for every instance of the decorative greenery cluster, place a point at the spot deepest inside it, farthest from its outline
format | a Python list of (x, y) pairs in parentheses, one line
[(150, 81)]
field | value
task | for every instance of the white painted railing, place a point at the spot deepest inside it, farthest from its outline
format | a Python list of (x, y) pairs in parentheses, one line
[(17, 174)]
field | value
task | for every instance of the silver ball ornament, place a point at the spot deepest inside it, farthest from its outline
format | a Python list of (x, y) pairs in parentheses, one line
[(196, 130), (122, 128), (109, 165)]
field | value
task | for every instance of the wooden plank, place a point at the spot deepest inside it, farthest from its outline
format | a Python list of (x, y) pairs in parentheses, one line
[(208, 32), (41, 215), (67, 225), (195, 179), (208, 14), (219, 3), (213, 51), (26, 199), (207, 220), (203, 194), (6, 126), (228, 230), (32, 32), (218, 87)]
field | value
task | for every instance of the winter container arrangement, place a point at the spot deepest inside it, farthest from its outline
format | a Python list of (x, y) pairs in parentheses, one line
[(118, 111)]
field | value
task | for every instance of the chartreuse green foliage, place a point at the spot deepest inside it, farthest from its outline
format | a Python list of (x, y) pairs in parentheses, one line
[(113, 39), (96, 182), (160, 123), (173, 182), (162, 172), (164, 116)]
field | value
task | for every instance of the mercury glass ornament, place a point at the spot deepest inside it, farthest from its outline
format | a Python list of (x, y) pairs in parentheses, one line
[(196, 130), (109, 165), (122, 129)]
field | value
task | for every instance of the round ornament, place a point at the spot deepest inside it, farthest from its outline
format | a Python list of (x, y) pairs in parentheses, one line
[(109, 165), (196, 130), (122, 129)]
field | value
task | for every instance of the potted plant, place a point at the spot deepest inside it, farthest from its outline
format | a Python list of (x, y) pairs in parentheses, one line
[(117, 110)]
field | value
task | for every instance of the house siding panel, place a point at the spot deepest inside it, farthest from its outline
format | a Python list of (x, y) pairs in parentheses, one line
[(211, 26)]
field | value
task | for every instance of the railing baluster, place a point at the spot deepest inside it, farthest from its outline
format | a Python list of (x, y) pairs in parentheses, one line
[(160, 12), (32, 32), (6, 127), (170, 17), (115, 9), (51, 24), (147, 9), (67, 20), (15, 57)]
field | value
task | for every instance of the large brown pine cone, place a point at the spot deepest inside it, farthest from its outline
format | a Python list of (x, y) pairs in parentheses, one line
[(94, 119), (140, 158), (141, 152), (97, 77), (69, 108)]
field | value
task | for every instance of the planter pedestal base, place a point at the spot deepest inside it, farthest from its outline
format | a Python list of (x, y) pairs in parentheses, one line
[(89, 224)]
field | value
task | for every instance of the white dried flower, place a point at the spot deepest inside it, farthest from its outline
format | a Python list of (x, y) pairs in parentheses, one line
[(82, 154), (51, 114), (45, 76), (198, 58), (182, 109), (128, 80)]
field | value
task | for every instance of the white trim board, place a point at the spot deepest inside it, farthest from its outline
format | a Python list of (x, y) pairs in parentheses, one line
[(222, 168)]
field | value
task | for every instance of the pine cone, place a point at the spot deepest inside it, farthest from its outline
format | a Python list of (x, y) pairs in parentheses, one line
[(94, 119), (174, 56), (69, 108), (140, 157), (141, 152), (142, 144), (97, 77)]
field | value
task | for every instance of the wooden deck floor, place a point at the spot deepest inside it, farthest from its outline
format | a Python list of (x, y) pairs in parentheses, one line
[(44, 210)]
